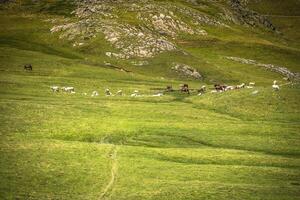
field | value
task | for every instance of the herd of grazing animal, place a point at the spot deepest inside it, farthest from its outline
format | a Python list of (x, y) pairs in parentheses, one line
[(183, 88), (63, 89)]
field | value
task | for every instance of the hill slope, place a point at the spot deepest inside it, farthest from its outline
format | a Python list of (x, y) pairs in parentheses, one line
[(240, 144)]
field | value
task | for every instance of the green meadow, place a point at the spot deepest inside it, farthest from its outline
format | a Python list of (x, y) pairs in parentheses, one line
[(235, 145)]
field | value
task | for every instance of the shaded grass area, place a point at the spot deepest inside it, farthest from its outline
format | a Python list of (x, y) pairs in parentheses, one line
[(39, 169)]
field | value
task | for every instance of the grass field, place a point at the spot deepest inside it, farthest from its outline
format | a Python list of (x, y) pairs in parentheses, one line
[(233, 145)]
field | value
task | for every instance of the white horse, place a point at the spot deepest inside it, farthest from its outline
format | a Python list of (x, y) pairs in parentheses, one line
[(275, 86)]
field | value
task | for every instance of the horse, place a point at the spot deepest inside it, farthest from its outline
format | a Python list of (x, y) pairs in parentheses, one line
[(28, 67), (185, 88), (219, 87)]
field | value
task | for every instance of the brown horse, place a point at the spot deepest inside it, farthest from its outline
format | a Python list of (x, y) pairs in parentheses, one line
[(28, 67), (219, 87), (184, 88), (169, 88)]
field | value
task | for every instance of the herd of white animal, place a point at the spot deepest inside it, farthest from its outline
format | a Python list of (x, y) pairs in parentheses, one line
[(136, 93), (71, 90)]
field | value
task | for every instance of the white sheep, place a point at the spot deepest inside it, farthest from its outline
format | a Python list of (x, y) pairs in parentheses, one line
[(135, 93), (68, 89), (158, 95), (252, 84), (229, 88), (95, 94), (202, 89), (107, 92), (240, 86), (119, 93), (255, 92), (275, 86), (55, 88)]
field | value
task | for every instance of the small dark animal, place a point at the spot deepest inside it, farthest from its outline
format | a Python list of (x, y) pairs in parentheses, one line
[(28, 67), (185, 88), (219, 87), (169, 88)]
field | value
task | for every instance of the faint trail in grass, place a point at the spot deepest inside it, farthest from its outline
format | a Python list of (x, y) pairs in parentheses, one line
[(114, 170)]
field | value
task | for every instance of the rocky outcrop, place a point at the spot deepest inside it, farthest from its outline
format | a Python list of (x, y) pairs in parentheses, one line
[(146, 28), (147, 38), (186, 71), (168, 24), (151, 29), (278, 69), (246, 16), (5, 1)]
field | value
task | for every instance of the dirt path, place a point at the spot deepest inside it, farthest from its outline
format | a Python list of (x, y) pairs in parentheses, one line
[(114, 170)]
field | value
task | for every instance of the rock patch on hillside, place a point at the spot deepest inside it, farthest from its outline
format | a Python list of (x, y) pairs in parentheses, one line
[(146, 28), (249, 17), (278, 69), (186, 70)]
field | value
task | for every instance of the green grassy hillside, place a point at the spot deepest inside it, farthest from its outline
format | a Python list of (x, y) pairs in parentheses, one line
[(232, 145)]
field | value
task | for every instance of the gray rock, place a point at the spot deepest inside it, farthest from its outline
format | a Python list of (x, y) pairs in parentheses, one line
[(186, 71)]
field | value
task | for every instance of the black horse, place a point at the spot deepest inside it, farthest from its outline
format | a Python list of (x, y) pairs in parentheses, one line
[(28, 67)]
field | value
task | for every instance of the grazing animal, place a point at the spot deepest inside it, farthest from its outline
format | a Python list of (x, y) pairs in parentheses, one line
[(119, 93), (229, 88), (275, 86), (240, 86), (202, 89), (28, 67), (255, 92), (68, 89), (107, 92), (220, 88), (158, 95), (135, 93), (55, 88), (252, 84), (249, 87), (95, 93), (169, 88), (184, 88)]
